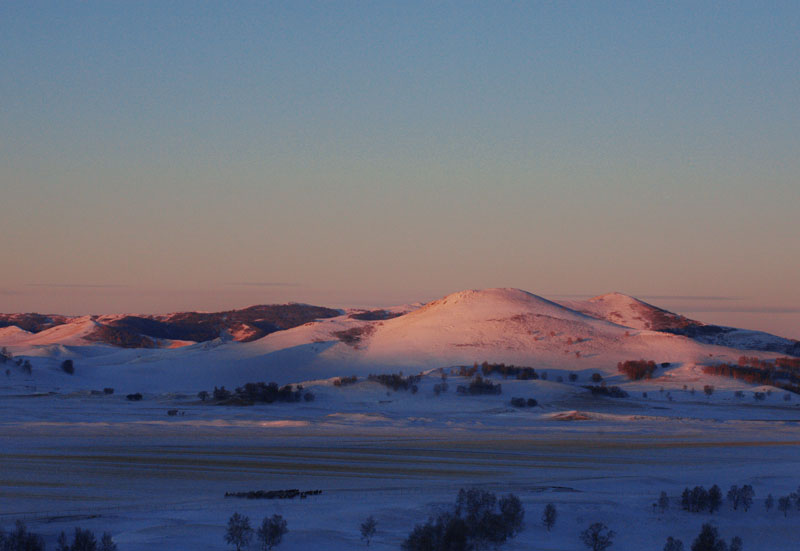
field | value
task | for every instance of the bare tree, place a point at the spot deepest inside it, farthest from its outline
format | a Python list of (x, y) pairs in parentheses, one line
[(106, 543), (271, 532), (368, 529), (733, 496), (597, 537), (549, 516), (784, 505), (239, 533), (663, 501), (714, 499), (709, 540), (746, 494)]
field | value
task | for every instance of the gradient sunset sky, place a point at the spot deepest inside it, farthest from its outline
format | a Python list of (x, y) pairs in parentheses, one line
[(160, 156)]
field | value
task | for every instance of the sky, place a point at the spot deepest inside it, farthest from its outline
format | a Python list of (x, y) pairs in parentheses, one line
[(160, 156)]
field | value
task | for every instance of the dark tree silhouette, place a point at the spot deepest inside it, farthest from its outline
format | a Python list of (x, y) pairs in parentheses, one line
[(733, 496), (271, 532), (83, 540), (106, 543), (68, 367), (708, 540), (746, 494), (368, 529), (673, 544), (478, 521), (784, 504), (597, 537), (714, 499), (238, 533), (20, 539), (663, 501), (549, 516)]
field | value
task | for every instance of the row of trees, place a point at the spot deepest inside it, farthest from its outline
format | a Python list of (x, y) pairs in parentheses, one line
[(479, 385), (265, 393), (239, 533), (20, 539), (637, 369), (698, 499), (506, 371), (602, 390), (783, 373), (84, 540), (523, 403), (345, 381), (785, 503), (396, 381), (478, 520), (708, 540)]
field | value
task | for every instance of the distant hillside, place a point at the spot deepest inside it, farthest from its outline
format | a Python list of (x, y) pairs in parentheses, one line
[(144, 331), (631, 312), (33, 323)]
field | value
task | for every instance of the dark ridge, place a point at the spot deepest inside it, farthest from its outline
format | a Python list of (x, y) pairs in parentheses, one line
[(124, 338), (715, 334), (205, 326), (35, 323), (374, 315)]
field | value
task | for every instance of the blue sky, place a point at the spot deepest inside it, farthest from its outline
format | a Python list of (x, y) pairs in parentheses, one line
[(157, 155)]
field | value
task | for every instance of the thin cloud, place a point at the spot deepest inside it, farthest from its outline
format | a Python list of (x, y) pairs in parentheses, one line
[(262, 284), (752, 310), (77, 285), (691, 297), (665, 297)]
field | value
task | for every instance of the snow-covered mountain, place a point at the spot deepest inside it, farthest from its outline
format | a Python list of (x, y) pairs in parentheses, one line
[(495, 325)]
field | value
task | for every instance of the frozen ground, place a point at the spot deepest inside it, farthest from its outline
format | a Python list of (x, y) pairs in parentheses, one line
[(158, 482)]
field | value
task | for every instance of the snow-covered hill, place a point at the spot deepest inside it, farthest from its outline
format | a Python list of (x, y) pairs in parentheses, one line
[(629, 311)]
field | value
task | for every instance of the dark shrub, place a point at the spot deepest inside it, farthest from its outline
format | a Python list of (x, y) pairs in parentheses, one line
[(134, 397), (637, 369), (345, 381), (611, 391), (68, 367), (221, 393), (396, 381), (708, 540)]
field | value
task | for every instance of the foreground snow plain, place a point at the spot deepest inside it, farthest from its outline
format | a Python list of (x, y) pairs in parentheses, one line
[(158, 481)]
